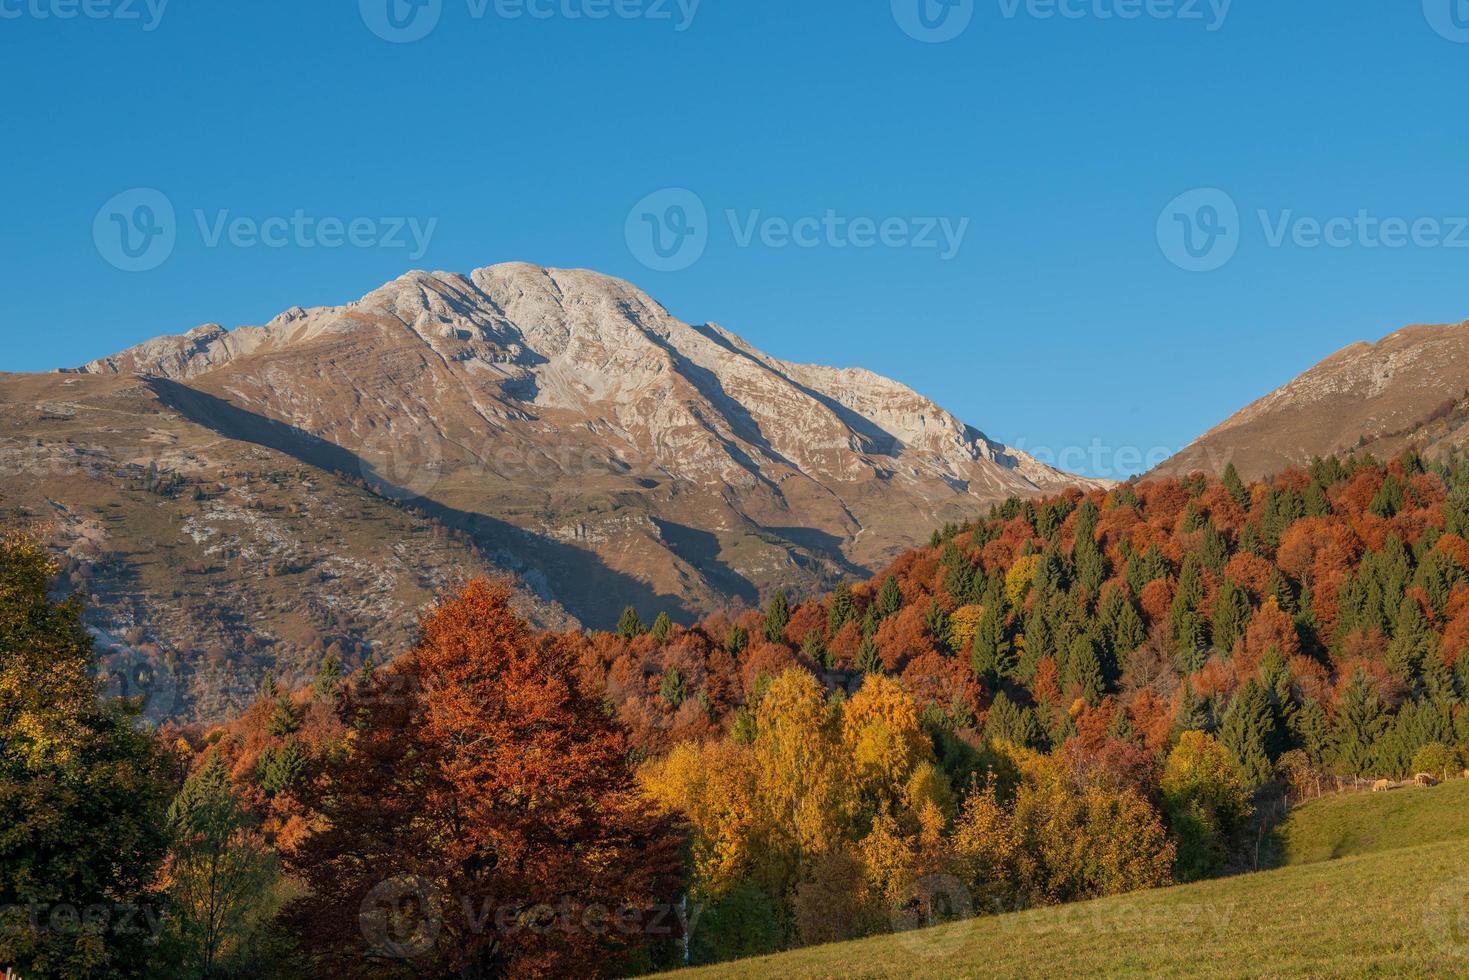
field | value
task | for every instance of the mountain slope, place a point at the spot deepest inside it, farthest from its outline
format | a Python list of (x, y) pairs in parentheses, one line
[(238, 501), (573, 407), (210, 561), (1384, 397)]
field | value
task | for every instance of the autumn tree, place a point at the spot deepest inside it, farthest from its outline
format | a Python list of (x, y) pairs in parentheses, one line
[(1207, 800), (482, 786)]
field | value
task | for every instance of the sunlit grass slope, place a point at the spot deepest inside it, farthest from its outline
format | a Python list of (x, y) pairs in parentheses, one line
[(1376, 885)]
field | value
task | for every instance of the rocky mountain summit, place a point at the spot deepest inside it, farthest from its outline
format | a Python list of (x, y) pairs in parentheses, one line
[(248, 498), (573, 407)]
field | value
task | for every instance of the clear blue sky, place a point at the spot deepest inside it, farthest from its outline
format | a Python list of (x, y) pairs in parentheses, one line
[(1061, 140)]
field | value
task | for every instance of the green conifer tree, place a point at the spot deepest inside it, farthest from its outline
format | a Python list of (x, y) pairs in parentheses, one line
[(1236, 486), (1358, 723), (1248, 730), (630, 626), (777, 616), (840, 610), (889, 598)]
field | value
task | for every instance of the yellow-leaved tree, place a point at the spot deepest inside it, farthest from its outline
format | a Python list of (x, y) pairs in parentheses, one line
[(882, 738)]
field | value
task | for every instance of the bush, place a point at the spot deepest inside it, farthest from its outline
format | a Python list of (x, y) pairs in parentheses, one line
[(1207, 802), (1437, 759)]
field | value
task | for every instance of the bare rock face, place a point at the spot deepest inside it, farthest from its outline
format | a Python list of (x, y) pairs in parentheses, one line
[(1405, 390), (593, 441)]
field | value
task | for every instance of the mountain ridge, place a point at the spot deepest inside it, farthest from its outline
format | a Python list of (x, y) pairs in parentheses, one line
[(557, 426), (1382, 396)]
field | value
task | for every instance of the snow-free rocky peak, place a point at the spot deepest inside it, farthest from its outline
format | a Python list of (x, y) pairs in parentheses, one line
[(572, 419)]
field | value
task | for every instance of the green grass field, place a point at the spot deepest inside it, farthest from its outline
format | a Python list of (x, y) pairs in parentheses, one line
[(1376, 885), (1358, 823)]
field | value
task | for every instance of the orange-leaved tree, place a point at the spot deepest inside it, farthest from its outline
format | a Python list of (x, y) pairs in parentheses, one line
[(483, 820)]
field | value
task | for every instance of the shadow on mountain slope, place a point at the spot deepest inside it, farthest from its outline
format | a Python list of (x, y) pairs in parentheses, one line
[(578, 579)]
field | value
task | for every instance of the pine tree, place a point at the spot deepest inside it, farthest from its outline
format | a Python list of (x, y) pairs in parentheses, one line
[(936, 622), (1275, 675), (840, 611), (992, 654), (1236, 486), (1279, 589), (777, 616), (1188, 626), (1232, 613), (1389, 499), (672, 689), (1414, 643), (1147, 567), (1317, 503), (1009, 722), (1193, 712), (1091, 568), (630, 626), (279, 769), (868, 659), (889, 598), (285, 720), (1087, 516), (1121, 625), (327, 675), (1084, 670), (736, 640), (1213, 549), (662, 626), (1357, 726), (1311, 730), (1248, 730), (813, 648)]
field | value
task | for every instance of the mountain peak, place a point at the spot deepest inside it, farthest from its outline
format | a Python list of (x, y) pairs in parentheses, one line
[(573, 405)]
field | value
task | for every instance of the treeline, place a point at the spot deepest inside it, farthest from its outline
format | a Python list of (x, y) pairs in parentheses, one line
[(1068, 698)]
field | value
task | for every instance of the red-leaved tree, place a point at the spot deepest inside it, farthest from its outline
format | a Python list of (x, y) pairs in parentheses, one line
[(483, 820)]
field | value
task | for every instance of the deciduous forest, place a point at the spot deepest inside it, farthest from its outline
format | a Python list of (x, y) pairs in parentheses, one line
[(1065, 698)]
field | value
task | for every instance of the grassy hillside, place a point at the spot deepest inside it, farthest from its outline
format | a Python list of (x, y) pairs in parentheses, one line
[(1380, 909), (1367, 823)]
